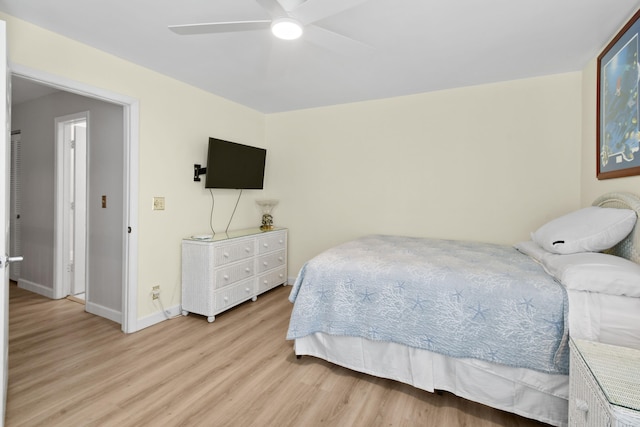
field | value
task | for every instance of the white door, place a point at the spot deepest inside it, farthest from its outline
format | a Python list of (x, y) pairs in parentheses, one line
[(5, 157)]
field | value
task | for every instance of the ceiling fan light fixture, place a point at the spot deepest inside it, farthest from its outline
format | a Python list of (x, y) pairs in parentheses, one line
[(286, 28)]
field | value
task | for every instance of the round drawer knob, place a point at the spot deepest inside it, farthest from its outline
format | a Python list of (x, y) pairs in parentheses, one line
[(281, 241), (226, 299), (266, 245), (247, 290), (248, 270), (226, 277), (266, 282), (281, 275), (247, 250), (265, 263), (226, 255), (280, 259)]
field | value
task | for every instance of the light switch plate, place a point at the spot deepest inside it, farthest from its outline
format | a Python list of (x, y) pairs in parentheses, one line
[(158, 203)]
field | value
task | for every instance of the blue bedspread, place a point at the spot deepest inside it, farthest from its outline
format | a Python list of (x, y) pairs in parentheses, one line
[(460, 299)]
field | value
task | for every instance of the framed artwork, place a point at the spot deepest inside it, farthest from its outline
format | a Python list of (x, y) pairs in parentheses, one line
[(618, 131)]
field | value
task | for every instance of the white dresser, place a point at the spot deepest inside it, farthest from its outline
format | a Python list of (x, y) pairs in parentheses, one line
[(604, 385), (230, 268)]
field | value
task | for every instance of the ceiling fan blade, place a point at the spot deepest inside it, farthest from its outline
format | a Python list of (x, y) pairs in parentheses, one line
[(219, 27), (290, 4), (315, 10), (274, 8), (335, 42)]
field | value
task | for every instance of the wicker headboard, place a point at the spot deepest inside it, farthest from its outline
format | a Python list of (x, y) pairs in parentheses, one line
[(629, 248)]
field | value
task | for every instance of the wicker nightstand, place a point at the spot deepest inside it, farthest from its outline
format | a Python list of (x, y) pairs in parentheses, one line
[(604, 385)]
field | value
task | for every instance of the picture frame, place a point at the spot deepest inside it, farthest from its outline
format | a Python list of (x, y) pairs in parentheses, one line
[(618, 104)]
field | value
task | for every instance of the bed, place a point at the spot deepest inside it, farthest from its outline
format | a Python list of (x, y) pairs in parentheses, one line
[(496, 331)]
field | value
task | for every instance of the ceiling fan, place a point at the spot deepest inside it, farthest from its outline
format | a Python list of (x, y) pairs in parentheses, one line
[(289, 24)]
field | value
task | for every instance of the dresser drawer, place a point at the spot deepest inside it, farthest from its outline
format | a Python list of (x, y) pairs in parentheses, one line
[(269, 261), (226, 254), (272, 242), (233, 295), (233, 273), (271, 279)]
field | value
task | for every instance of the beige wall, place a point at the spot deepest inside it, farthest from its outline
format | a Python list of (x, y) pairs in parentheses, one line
[(591, 187), (175, 121), (487, 163)]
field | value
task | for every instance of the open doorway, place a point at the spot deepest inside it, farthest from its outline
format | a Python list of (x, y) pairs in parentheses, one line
[(109, 227), (71, 206)]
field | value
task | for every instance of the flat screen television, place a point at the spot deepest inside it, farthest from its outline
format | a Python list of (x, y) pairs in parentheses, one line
[(233, 165)]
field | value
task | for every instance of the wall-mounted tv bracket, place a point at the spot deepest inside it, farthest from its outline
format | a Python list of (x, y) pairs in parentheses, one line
[(197, 171)]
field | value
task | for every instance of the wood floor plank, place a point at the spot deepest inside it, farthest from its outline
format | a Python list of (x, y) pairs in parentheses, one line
[(70, 368)]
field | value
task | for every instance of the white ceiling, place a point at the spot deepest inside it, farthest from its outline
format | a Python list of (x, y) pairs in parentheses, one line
[(392, 47)]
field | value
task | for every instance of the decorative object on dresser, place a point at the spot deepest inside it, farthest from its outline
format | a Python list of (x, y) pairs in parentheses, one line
[(266, 206), (222, 271), (604, 385)]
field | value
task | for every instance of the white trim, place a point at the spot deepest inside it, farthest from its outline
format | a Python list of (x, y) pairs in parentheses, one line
[(58, 215), (62, 277), (158, 317), (131, 142), (5, 164), (103, 311), (80, 218), (15, 246), (36, 288), (130, 270)]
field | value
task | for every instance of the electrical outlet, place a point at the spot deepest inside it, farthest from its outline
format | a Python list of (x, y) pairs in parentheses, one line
[(155, 292)]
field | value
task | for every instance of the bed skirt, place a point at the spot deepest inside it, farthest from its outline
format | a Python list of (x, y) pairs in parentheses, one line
[(528, 393)]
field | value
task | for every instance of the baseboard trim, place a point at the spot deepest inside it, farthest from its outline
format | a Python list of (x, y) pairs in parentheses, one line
[(158, 317), (107, 313), (36, 288), (171, 312)]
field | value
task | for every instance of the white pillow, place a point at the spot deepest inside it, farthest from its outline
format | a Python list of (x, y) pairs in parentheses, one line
[(591, 229), (595, 272), (532, 249)]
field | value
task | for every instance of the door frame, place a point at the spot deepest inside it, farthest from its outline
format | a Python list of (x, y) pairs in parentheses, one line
[(64, 219), (5, 160), (130, 191), (15, 211)]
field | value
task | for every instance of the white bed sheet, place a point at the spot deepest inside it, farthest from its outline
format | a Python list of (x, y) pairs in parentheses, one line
[(532, 394), (610, 319)]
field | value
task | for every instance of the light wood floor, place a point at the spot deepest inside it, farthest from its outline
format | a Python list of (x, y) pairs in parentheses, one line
[(69, 368)]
